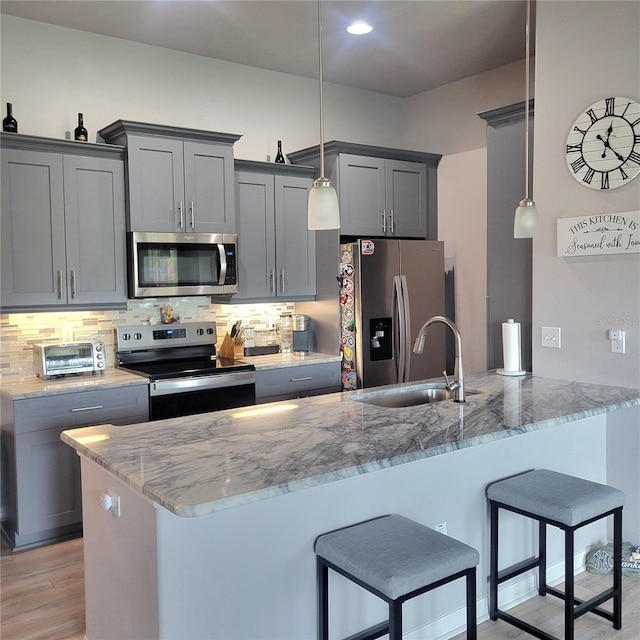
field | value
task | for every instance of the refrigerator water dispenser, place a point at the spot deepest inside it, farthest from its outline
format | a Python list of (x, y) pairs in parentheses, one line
[(380, 343)]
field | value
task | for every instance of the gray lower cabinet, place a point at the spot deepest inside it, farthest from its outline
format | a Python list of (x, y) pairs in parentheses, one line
[(63, 224), (382, 192), (179, 180), (41, 497), (299, 381), (277, 253)]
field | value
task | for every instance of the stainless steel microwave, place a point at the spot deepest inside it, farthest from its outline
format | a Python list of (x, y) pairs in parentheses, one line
[(181, 264)]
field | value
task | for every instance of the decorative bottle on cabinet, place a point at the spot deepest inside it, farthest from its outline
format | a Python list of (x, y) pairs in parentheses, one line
[(80, 133), (10, 124), (279, 156)]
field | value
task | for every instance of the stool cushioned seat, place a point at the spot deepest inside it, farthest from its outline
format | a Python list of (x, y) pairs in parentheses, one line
[(395, 555), (556, 496)]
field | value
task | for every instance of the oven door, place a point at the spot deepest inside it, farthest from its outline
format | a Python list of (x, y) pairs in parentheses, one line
[(176, 397), (181, 264)]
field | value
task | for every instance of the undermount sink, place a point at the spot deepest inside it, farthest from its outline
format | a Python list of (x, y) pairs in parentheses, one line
[(426, 394)]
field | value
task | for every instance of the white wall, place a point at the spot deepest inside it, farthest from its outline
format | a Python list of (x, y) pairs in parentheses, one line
[(50, 74), (586, 51)]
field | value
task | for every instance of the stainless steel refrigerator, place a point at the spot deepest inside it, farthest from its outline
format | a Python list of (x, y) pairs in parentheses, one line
[(388, 290)]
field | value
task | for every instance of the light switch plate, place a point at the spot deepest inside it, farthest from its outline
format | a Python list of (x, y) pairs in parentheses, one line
[(551, 337)]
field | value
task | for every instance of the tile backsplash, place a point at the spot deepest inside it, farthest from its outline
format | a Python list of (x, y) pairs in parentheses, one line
[(18, 331)]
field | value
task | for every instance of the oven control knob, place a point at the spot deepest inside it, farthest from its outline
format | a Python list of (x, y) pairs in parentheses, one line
[(137, 336), (200, 332), (210, 331), (126, 336), (99, 365)]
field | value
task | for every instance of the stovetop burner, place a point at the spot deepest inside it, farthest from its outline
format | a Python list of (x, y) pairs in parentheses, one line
[(186, 368)]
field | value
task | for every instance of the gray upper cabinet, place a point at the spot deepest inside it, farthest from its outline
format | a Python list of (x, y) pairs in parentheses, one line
[(179, 180), (63, 224), (276, 250), (382, 192)]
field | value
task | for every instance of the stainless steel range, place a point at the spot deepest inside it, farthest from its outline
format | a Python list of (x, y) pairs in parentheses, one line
[(185, 375)]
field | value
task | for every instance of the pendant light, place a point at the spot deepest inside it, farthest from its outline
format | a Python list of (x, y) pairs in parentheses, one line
[(323, 212), (525, 222)]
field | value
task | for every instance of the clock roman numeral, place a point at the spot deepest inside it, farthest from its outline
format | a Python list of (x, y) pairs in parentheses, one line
[(623, 174), (574, 148), (588, 177), (609, 107), (605, 181), (591, 113), (636, 139), (634, 157), (634, 123), (579, 130), (576, 165), (625, 109)]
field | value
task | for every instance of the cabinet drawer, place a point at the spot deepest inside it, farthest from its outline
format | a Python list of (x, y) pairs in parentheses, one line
[(81, 409), (297, 380)]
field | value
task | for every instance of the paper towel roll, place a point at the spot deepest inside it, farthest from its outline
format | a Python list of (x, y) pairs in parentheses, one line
[(511, 349)]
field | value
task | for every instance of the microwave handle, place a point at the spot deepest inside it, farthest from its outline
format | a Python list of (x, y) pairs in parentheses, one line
[(223, 264)]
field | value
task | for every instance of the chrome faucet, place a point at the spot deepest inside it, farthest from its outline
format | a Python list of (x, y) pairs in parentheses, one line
[(456, 385)]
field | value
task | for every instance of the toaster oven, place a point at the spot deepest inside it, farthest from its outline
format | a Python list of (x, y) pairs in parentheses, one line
[(52, 360)]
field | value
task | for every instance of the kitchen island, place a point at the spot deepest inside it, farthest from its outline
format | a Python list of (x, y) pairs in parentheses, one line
[(212, 518)]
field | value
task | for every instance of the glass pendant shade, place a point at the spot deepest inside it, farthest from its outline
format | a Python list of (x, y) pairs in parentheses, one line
[(525, 222), (323, 211)]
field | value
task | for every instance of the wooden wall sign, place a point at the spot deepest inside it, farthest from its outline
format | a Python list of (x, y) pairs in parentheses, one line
[(599, 234)]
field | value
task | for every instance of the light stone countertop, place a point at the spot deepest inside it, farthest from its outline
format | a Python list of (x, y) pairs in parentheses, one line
[(21, 387), (197, 465), (280, 360)]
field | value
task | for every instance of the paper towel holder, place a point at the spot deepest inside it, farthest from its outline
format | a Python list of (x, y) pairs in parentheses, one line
[(516, 371)]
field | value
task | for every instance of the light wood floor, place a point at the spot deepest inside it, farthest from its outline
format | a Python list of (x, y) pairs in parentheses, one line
[(42, 597)]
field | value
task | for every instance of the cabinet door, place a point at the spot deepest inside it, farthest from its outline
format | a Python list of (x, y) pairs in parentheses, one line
[(33, 242), (256, 235), (95, 230), (362, 195), (406, 199), (48, 485), (295, 244), (156, 184), (209, 189)]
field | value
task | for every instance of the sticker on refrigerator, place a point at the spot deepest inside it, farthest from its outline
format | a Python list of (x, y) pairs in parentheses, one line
[(367, 247)]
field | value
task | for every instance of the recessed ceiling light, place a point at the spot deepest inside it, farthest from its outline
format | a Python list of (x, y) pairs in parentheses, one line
[(359, 28)]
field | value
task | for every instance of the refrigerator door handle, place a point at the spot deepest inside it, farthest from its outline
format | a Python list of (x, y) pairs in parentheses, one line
[(398, 317), (406, 327)]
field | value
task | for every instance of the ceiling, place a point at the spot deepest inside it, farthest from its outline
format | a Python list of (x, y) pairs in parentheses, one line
[(415, 46)]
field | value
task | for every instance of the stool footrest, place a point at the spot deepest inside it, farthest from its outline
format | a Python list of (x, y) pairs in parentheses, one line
[(377, 631), (524, 626), (586, 606), (517, 569)]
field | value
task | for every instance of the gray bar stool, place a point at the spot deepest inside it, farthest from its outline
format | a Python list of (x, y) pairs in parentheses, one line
[(568, 503), (396, 559)]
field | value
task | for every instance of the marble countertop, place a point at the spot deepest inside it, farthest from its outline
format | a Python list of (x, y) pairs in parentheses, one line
[(197, 465), (280, 360), (21, 387)]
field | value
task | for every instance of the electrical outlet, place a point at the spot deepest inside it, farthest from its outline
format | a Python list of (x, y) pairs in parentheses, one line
[(66, 334), (551, 337), (442, 527), (616, 337)]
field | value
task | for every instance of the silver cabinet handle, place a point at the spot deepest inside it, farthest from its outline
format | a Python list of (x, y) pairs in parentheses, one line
[(59, 285), (281, 280), (272, 278), (98, 406), (391, 220), (383, 215), (301, 379), (73, 285), (192, 215), (180, 216)]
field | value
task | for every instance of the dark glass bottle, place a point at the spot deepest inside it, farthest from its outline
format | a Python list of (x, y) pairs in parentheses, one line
[(80, 133), (279, 156), (10, 123)]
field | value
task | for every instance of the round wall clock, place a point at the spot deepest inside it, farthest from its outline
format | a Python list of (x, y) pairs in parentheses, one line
[(603, 146)]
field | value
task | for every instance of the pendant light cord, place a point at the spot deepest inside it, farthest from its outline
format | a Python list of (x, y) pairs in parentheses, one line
[(320, 90), (526, 102)]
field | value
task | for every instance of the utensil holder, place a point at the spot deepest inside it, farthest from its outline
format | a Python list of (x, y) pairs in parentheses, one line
[(228, 349)]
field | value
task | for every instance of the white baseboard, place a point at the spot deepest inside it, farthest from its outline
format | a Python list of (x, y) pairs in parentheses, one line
[(510, 595)]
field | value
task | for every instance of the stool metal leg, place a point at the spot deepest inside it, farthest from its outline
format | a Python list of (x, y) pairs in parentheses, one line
[(395, 620), (617, 568), (322, 573), (569, 591), (493, 569), (472, 628), (542, 558)]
